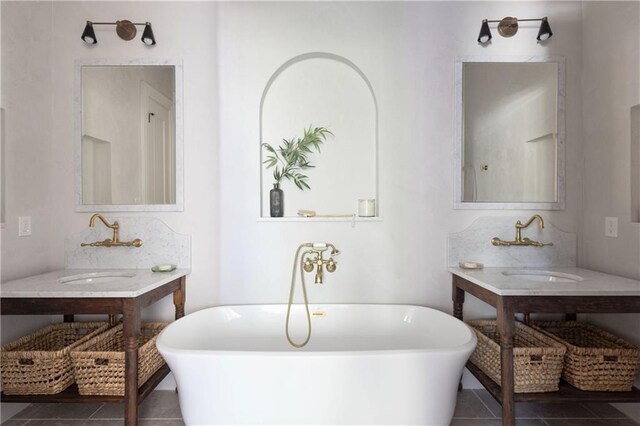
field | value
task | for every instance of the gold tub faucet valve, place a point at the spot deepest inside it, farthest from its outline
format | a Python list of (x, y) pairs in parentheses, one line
[(319, 262)]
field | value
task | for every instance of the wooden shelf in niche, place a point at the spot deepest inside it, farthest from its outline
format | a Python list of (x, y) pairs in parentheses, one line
[(321, 219), (344, 102)]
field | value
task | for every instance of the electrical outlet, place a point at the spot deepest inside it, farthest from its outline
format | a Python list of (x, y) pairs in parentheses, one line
[(24, 226), (611, 227)]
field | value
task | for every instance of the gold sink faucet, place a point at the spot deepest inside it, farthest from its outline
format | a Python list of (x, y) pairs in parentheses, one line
[(320, 262), (519, 241), (115, 240)]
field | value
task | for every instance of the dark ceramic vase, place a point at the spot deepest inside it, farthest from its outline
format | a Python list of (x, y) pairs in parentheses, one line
[(276, 201)]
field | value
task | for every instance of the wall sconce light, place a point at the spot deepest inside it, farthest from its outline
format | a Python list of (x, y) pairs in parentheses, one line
[(508, 27), (126, 30)]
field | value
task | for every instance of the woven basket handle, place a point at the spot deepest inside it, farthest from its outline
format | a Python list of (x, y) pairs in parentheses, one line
[(536, 358), (102, 361), (610, 358), (25, 361)]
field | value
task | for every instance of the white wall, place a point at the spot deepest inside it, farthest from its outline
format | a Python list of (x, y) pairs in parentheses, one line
[(26, 96), (408, 51), (611, 86)]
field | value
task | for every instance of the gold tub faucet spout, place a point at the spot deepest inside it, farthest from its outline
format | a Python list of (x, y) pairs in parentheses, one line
[(519, 241), (115, 240)]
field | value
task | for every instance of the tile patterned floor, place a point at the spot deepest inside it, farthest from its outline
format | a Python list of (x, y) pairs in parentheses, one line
[(474, 408)]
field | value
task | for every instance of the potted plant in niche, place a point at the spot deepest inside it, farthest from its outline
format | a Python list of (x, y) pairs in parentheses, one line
[(288, 161)]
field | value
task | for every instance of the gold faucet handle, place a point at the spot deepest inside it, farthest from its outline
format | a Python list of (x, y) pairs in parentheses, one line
[(331, 265), (498, 242)]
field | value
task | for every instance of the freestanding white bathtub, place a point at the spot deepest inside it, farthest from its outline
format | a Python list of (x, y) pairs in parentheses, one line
[(364, 364)]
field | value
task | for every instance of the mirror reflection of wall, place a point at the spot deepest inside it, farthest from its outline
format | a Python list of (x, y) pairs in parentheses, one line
[(128, 135), (510, 132), (635, 164)]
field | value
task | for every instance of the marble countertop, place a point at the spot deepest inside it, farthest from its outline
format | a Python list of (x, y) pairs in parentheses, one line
[(593, 283), (47, 285)]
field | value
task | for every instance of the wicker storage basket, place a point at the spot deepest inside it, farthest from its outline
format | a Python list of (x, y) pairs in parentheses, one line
[(537, 358), (99, 363), (595, 360), (40, 363)]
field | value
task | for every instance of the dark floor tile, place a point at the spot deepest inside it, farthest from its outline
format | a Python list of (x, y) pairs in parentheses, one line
[(605, 410), (562, 411), (161, 422), (57, 411), (591, 422), (552, 410), (66, 422), (12, 422), (161, 405), (470, 406), (158, 405), (496, 422), (523, 410)]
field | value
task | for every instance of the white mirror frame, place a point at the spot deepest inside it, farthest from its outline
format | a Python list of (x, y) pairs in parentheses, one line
[(179, 95), (559, 204)]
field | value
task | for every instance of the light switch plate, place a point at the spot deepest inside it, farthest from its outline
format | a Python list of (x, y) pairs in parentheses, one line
[(611, 227), (24, 226)]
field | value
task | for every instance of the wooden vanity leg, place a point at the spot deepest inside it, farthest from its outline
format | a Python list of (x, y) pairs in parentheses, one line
[(179, 297), (506, 328), (458, 300), (458, 303), (131, 324)]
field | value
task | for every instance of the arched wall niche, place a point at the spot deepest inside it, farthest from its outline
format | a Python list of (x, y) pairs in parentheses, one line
[(328, 90)]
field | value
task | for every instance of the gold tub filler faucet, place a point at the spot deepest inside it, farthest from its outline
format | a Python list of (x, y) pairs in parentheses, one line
[(519, 241), (115, 240), (312, 257)]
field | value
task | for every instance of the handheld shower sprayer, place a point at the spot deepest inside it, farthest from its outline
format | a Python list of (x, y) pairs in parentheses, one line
[(307, 263)]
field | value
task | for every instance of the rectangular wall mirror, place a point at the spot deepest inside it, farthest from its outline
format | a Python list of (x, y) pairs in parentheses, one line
[(509, 133), (129, 136)]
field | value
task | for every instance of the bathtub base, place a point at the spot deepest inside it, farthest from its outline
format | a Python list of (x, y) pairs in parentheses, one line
[(319, 390)]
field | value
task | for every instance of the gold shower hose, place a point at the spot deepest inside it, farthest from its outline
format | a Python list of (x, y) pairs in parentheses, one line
[(304, 294)]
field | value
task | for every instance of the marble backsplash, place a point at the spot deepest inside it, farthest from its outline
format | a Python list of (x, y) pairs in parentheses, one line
[(161, 245), (474, 244)]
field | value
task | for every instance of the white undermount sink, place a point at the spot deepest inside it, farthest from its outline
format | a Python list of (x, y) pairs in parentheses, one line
[(96, 277), (542, 276)]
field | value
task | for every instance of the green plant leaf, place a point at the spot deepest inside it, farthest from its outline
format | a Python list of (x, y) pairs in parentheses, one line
[(292, 154)]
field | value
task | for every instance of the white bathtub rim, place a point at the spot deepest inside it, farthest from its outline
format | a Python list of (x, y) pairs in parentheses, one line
[(467, 346)]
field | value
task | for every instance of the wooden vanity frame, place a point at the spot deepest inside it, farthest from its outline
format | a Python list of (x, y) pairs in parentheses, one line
[(131, 310), (506, 309)]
